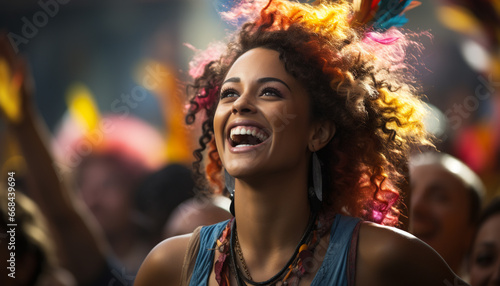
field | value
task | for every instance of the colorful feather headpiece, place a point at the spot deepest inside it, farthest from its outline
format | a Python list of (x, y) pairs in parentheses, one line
[(382, 14)]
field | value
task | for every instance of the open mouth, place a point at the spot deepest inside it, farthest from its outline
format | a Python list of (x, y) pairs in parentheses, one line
[(243, 136)]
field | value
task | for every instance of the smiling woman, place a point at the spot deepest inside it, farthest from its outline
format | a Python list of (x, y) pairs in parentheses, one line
[(309, 111), (258, 89)]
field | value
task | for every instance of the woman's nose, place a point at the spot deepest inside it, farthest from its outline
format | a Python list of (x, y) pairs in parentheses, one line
[(244, 104)]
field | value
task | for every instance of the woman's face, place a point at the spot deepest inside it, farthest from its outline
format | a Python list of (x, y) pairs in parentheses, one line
[(485, 256), (106, 193), (262, 122)]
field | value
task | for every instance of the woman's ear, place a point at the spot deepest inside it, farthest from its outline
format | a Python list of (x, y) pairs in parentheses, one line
[(321, 134)]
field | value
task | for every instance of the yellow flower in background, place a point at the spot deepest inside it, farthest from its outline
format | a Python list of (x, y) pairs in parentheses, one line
[(10, 97)]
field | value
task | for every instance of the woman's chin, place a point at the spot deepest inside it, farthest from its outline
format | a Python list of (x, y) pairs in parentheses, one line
[(245, 169)]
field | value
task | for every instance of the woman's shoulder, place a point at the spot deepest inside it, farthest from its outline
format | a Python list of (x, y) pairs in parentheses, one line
[(164, 263), (391, 256)]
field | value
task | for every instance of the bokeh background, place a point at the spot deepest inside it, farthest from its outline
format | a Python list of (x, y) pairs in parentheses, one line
[(124, 65)]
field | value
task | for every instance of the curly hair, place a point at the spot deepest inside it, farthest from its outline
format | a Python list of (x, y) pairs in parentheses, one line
[(356, 78)]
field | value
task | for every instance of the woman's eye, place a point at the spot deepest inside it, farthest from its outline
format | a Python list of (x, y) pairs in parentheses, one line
[(271, 92), (228, 93)]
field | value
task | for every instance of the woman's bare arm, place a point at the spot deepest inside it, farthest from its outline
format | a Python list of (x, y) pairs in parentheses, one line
[(163, 265)]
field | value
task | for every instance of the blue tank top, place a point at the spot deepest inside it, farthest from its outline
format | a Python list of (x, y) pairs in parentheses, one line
[(333, 270)]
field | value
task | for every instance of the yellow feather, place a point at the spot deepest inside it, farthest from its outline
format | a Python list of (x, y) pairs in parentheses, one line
[(82, 107)]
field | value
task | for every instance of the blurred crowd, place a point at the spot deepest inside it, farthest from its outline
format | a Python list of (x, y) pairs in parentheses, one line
[(97, 188)]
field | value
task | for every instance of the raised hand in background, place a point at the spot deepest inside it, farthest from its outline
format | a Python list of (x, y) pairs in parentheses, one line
[(81, 247)]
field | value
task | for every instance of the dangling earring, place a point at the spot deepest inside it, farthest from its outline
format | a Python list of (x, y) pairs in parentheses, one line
[(317, 177), (229, 180)]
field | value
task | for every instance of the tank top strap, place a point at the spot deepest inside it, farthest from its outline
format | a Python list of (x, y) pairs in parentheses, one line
[(205, 258), (334, 270)]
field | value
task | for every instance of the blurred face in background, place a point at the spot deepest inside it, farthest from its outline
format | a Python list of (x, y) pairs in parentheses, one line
[(104, 188), (440, 212), (485, 255)]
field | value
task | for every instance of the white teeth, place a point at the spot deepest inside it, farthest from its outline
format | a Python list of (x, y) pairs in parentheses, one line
[(243, 145), (249, 130)]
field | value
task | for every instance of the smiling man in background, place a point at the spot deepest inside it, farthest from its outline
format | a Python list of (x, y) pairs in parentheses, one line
[(446, 200)]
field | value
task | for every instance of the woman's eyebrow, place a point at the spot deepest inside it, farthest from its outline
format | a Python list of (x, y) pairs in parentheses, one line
[(260, 80), (268, 79), (232, 79)]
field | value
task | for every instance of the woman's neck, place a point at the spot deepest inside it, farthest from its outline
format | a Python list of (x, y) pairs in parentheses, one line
[(271, 215)]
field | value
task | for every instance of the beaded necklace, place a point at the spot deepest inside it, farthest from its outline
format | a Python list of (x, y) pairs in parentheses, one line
[(291, 274)]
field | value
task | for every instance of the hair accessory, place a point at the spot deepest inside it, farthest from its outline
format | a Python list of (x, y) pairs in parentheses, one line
[(317, 177), (382, 14)]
